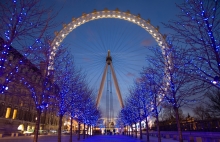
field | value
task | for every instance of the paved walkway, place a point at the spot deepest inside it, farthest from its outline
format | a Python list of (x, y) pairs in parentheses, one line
[(122, 138), (97, 138)]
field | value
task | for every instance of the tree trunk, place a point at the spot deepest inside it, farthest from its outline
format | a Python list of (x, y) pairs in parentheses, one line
[(140, 129), (158, 129), (129, 131), (59, 127), (84, 131), (91, 130), (135, 130), (78, 130), (178, 124), (71, 129), (147, 130), (37, 125), (132, 131), (87, 131)]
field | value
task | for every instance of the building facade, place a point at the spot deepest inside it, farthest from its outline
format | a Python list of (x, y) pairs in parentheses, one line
[(17, 106)]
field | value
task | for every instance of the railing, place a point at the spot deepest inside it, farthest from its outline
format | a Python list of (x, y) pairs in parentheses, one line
[(190, 136), (212, 125)]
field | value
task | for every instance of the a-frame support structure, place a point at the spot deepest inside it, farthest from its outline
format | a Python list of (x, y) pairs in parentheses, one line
[(109, 63)]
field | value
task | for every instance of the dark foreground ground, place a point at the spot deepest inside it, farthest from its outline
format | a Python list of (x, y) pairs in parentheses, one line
[(97, 138)]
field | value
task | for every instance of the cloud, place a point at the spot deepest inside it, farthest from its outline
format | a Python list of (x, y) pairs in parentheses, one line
[(147, 42), (86, 59), (138, 79), (130, 74)]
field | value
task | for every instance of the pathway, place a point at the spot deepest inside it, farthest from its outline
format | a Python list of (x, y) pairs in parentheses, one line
[(97, 138)]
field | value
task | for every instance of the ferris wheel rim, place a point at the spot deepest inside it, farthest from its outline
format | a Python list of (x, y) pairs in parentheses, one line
[(68, 28)]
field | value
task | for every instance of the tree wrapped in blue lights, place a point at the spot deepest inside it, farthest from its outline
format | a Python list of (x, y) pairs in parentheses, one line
[(46, 93), (175, 85), (153, 83), (23, 23), (198, 27), (143, 90), (129, 115), (86, 112), (65, 77)]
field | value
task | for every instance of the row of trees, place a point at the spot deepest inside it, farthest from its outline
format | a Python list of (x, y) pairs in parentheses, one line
[(180, 74), (26, 25)]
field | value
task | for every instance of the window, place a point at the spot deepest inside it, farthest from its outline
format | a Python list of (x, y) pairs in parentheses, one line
[(8, 111), (14, 114)]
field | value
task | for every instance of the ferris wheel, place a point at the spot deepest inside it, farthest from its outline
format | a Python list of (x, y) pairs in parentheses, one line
[(91, 36)]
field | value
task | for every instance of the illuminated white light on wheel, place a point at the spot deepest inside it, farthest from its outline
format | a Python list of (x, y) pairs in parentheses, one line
[(104, 14)]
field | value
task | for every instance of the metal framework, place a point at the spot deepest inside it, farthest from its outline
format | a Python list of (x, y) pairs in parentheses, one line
[(118, 92), (76, 22)]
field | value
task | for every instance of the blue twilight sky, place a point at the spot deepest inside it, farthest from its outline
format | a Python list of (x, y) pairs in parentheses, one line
[(127, 42)]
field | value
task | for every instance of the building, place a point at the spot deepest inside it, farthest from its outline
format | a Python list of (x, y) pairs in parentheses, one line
[(17, 105)]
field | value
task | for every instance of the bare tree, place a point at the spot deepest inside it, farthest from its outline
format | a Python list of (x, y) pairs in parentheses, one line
[(23, 23), (213, 102), (40, 58), (168, 114), (198, 26), (143, 92), (171, 65), (135, 102), (153, 84), (65, 78), (201, 112)]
